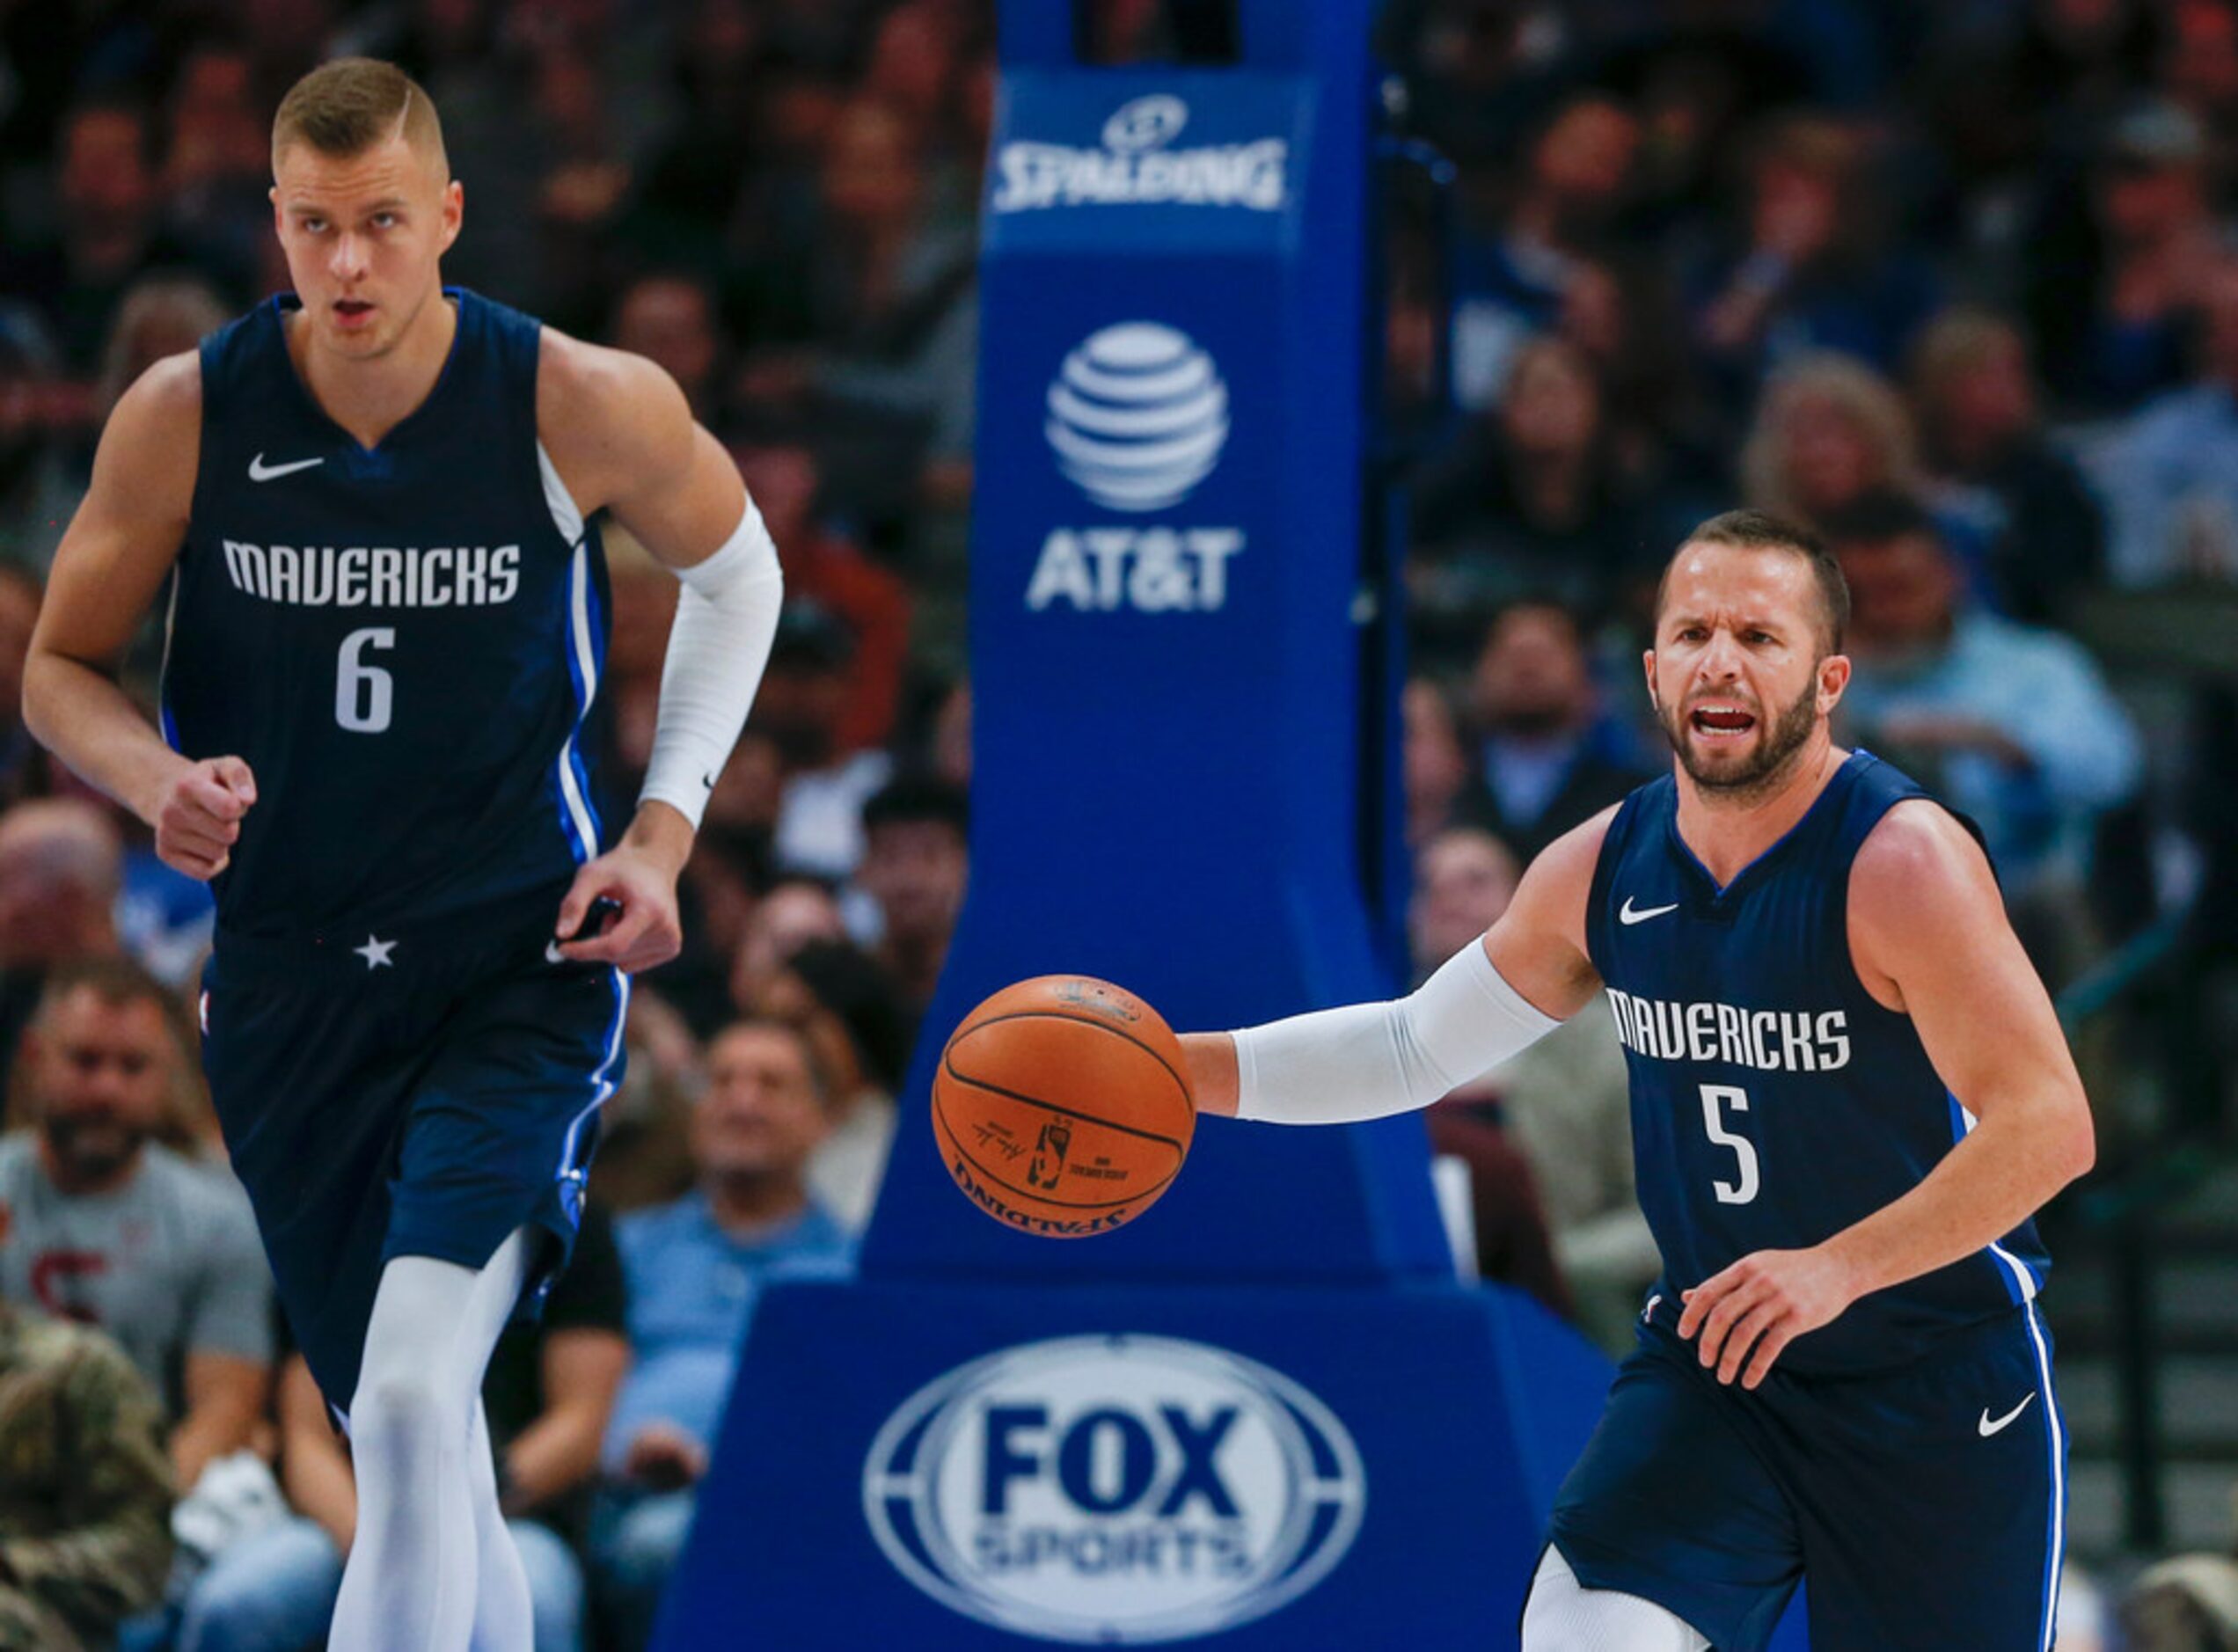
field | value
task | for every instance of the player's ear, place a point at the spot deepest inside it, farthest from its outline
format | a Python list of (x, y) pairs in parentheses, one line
[(454, 212), (1833, 680), (1647, 664)]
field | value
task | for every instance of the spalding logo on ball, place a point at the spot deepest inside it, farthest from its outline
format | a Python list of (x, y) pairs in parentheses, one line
[(1062, 1106)]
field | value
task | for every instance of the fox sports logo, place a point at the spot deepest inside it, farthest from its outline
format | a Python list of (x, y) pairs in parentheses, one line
[(1113, 1490), (1137, 416)]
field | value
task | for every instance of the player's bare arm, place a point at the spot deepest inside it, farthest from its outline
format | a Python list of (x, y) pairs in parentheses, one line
[(622, 438), (111, 564), (1531, 971), (1930, 938)]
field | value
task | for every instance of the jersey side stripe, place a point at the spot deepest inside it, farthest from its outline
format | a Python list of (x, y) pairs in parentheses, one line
[(584, 670), (2057, 1440), (601, 1085)]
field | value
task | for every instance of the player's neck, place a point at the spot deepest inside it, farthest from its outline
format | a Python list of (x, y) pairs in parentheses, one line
[(370, 396), (1727, 833), (747, 1206)]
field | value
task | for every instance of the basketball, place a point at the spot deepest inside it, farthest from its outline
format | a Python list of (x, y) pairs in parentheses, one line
[(1062, 1106)]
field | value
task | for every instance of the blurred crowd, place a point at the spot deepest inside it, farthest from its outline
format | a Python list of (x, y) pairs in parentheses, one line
[(1955, 282)]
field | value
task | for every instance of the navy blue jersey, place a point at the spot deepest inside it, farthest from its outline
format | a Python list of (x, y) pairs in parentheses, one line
[(1774, 1101), (402, 642)]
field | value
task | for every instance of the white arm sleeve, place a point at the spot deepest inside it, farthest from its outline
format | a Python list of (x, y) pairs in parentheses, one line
[(725, 619), (1367, 1060)]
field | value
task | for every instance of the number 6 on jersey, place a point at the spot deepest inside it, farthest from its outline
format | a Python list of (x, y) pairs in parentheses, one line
[(356, 682)]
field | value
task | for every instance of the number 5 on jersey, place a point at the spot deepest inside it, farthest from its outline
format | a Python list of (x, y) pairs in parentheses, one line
[(363, 693), (1714, 1098)]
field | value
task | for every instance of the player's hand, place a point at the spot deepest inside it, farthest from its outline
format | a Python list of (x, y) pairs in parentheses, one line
[(645, 933), (197, 816), (664, 1457), (1763, 1302)]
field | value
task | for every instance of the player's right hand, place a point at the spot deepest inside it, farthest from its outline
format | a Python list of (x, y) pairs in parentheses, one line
[(198, 817)]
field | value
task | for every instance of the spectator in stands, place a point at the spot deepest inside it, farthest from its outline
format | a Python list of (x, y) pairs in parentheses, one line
[(1811, 273), (1513, 282), (888, 294), (36, 495), (801, 706), (916, 858), (61, 866), (2188, 1604), (846, 1006), (546, 1399), (160, 316), (1991, 465), (2121, 339), (110, 1229), (825, 567), (1531, 499), (217, 166), (668, 317), (790, 914), (1545, 758), (109, 234), (2010, 724), (1827, 431), (85, 1488), (694, 1269), (1434, 767), (2170, 477), (1564, 1104), (22, 766)]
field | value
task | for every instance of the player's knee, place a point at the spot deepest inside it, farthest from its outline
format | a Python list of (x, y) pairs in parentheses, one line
[(1563, 1615), (401, 1412)]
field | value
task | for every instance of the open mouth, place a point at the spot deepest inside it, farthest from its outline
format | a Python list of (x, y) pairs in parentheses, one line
[(352, 310), (1715, 722)]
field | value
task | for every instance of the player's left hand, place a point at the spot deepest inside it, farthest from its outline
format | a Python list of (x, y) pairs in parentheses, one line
[(1764, 1302), (645, 933)]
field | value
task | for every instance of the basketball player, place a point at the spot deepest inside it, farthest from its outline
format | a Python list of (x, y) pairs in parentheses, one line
[(1849, 1095), (373, 500)]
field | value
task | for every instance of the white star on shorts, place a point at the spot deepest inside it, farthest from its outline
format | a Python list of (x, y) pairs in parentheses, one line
[(376, 954)]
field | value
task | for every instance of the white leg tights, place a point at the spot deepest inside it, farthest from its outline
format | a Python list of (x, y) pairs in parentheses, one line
[(433, 1569), (1563, 1615)]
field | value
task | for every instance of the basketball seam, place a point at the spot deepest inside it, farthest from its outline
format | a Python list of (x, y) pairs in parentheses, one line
[(962, 1077), (1004, 1182), (1188, 1095)]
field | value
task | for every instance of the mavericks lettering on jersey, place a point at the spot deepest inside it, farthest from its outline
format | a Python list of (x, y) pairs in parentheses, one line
[(1770, 1040), (375, 576)]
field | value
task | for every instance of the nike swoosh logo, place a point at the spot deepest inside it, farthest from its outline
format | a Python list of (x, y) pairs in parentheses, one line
[(1627, 916), (259, 471), (1989, 1428), (552, 953)]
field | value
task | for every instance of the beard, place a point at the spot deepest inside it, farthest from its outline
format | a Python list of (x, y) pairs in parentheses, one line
[(1758, 774), (90, 1148)]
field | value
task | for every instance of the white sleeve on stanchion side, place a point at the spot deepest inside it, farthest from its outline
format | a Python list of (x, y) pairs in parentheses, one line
[(1367, 1060)]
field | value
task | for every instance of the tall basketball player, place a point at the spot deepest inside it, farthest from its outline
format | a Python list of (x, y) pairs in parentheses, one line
[(373, 499), (1849, 1096)]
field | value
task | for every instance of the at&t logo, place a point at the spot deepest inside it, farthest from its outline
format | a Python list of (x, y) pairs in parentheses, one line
[(1111, 1490), (1138, 417)]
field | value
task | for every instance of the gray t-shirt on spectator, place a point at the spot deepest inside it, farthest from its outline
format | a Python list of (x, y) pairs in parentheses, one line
[(168, 1264)]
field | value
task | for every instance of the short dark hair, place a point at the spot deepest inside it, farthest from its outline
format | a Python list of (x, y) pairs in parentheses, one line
[(819, 1075), (345, 107), (1879, 516), (1761, 531), (914, 798)]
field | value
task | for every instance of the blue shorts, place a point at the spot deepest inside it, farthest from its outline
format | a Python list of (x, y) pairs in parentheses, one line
[(1925, 1504), (423, 1092)]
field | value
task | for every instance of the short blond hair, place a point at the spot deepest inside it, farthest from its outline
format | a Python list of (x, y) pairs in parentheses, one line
[(346, 106)]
